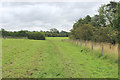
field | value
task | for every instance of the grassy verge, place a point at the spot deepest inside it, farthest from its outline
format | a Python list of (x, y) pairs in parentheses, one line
[(111, 57)]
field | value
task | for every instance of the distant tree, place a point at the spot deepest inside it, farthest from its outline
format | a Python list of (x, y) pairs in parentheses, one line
[(22, 33), (54, 30), (36, 36), (4, 33)]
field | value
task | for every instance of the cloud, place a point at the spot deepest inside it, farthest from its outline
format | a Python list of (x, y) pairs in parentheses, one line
[(44, 15)]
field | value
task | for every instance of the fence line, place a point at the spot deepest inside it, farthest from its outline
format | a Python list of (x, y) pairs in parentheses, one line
[(104, 47)]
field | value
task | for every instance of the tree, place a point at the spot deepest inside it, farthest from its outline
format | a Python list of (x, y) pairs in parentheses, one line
[(54, 30), (98, 21), (95, 21), (87, 19), (109, 13), (83, 32), (104, 27), (22, 33), (4, 33)]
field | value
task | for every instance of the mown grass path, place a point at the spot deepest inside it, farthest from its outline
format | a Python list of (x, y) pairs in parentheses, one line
[(52, 58)]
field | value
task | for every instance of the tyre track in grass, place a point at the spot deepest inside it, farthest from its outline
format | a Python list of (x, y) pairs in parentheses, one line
[(36, 62), (67, 69), (70, 67), (52, 64), (45, 71)]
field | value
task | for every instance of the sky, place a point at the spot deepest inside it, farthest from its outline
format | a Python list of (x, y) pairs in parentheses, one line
[(36, 16)]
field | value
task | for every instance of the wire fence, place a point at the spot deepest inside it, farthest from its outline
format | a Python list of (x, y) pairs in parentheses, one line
[(103, 47)]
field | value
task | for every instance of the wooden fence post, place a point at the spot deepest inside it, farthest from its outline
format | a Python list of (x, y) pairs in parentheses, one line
[(102, 49), (92, 45), (119, 52), (85, 42)]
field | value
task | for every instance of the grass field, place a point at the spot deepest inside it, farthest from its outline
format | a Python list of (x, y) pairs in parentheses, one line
[(53, 58)]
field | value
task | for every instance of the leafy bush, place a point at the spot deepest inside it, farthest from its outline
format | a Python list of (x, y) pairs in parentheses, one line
[(36, 36)]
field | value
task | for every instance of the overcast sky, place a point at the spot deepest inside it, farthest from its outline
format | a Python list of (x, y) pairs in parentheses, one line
[(38, 16)]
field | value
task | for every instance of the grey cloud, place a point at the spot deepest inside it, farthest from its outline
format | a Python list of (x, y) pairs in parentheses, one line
[(43, 16)]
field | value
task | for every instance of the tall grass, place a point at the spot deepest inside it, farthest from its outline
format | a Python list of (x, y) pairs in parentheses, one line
[(108, 48), (110, 52)]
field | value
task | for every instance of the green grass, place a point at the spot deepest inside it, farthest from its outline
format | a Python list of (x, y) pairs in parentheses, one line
[(53, 58)]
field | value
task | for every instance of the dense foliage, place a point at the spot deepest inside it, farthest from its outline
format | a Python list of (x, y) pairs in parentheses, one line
[(24, 33), (37, 35), (99, 28), (55, 33)]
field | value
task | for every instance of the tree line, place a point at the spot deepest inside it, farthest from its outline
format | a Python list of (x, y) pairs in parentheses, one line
[(102, 27), (55, 33), (37, 35)]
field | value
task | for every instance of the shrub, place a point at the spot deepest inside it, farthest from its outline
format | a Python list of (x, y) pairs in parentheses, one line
[(36, 36)]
